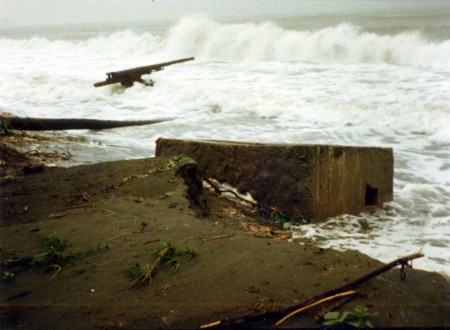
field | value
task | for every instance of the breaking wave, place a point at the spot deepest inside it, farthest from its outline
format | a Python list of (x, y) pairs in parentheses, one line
[(210, 40), (262, 83), (268, 42)]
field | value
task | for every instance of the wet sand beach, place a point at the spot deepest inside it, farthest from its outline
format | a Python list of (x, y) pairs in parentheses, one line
[(114, 215)]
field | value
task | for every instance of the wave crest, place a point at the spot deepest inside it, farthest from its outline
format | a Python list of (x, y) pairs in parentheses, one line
[(267, 42), (213, 41)]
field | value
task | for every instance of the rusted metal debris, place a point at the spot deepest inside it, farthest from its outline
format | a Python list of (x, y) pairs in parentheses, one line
[(128, 77)]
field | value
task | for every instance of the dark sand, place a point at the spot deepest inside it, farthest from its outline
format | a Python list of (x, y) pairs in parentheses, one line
[(233, 273)]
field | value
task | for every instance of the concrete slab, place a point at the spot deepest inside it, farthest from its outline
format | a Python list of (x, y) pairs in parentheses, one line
[(314, 181)]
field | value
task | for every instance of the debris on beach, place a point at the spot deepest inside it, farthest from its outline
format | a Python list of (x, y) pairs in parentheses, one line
[(165, 255), (128, 77), (262, 231)]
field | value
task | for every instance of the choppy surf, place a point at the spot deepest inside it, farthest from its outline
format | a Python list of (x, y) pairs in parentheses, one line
[(261, 82)]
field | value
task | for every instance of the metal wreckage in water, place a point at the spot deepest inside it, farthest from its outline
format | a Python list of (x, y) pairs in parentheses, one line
[(128, 77)]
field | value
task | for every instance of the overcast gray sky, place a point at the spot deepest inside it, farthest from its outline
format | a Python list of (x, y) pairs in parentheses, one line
[(50, 12), (55, 12)]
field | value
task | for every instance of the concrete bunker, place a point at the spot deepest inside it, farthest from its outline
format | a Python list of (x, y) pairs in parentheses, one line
[(314, 181)]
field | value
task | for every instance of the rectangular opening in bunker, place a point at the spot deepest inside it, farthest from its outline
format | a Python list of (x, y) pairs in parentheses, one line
[(371, 195)]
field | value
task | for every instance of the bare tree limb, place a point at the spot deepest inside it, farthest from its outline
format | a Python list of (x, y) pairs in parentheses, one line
[(338, 295), (55, 124)]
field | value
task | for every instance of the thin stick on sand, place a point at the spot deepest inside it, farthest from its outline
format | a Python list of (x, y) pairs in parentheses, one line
[(343, 294)]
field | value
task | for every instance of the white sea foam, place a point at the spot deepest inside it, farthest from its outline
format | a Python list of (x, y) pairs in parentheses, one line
[(210, 40), (260, 82), (344, 43)]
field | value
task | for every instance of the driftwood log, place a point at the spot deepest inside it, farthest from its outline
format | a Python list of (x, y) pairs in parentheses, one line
[(54, 124), (285, 313)]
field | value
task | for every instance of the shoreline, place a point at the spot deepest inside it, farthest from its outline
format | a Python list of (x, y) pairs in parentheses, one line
[(77, 151), (240, 267)]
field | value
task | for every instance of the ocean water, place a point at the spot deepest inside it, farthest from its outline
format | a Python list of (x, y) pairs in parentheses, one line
[(356, 79)]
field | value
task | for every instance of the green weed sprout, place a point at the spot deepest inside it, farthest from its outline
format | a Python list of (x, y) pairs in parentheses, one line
[(357, 318), (53, 243), (52, 256), (165, 255), (280, 218)]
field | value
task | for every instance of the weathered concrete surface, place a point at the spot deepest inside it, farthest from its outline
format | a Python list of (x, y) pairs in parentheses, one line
[(315, 181)]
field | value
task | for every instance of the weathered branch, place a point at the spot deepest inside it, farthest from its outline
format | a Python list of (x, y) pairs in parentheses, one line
[(301, 309), (392, 264), (340, 302), (309, 301), (54, 124)]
